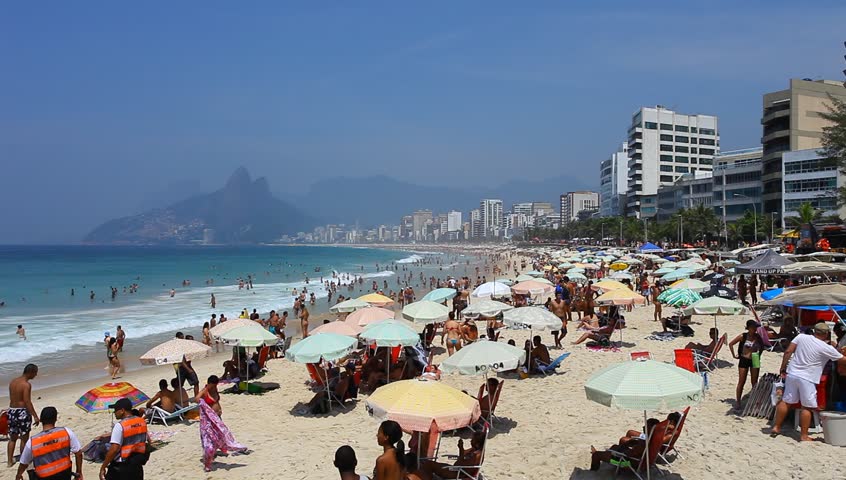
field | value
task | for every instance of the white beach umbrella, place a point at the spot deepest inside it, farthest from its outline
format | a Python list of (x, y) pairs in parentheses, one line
[(492, 289)]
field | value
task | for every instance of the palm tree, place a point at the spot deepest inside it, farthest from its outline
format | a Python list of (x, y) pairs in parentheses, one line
[(805, 214)]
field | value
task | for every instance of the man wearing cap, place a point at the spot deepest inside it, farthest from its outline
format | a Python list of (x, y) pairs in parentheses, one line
[(807, 355), (128, 451), (49, 452)]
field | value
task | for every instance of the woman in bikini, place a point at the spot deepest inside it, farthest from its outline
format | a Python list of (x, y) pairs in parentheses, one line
[(452, 330), (750, 344), (210, 395), (206, 334), (112, 355)]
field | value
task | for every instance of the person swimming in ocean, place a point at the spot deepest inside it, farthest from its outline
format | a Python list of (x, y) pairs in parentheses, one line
[(21, 332)]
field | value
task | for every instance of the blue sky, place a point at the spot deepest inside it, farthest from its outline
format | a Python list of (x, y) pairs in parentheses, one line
[(103, 103)]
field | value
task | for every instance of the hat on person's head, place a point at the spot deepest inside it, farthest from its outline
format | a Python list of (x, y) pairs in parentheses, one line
[(822, 327), (122, 404), (105, 334)]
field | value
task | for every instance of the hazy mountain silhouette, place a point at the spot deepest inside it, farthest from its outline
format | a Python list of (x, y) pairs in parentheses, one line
[(243, 211), (381, 199)]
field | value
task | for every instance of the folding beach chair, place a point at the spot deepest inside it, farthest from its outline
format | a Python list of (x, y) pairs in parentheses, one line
[(163, 416), (640, 355), (550, 369), (467, 472), (707, 361), (670, 447), (655, 440), (684, 358)]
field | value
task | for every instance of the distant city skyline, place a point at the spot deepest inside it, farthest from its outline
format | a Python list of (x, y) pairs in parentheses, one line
[(107, 107)]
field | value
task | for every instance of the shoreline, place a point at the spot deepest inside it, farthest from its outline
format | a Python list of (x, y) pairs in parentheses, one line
[(87, 362)]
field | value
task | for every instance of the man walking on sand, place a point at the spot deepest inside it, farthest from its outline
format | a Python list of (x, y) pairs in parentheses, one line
[(22, 414), (807, 355), (49, 452)]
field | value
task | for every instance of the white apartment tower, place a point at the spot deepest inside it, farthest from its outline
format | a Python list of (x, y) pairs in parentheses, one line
[(453, 221), (491, 210), (574, 202), (614, 183), (663, 146)]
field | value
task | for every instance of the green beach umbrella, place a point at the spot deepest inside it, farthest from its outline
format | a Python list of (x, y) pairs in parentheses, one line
[(486, 308), (425, 311), (577, 277), (677, 275), (565, 265), (324, 346), (524, 277), (440, 295), (715, 306), (679, 297), (576, 270), (535, 273), (663, 271), (644, 385), (484, 356), (348, 306), (390, 333), (248, 336)]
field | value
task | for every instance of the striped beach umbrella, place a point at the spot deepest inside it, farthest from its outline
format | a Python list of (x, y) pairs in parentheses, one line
[(224, 327), (677, 297), (97, 400)]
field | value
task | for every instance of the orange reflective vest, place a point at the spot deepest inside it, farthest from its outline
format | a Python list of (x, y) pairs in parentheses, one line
[(51, 452), (134, 436)]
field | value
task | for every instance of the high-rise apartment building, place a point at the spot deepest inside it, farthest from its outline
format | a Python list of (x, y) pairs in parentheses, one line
[(664, 145), (491, 211), (453, 221), (523, 208), (614, 182), (476, 227), (791, 121), (420, 219), (574, 202)]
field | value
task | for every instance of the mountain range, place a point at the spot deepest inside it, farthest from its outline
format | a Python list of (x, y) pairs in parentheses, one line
[(243, 211)]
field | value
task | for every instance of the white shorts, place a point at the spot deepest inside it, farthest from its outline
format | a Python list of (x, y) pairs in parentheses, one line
[(799, 390)]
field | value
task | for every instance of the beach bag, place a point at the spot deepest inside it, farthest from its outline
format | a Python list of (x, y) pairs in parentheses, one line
[(686, 331), (96, 450)]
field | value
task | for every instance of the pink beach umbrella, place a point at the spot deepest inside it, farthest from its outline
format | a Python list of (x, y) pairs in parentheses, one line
[(338, 327), (366, 316)]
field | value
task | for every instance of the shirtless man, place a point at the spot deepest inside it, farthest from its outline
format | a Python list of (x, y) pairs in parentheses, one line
[(165, 396), (21, 332), (180, 394), (22, 414), (469, 331), (452, 330), (559, 309), (121, 337)]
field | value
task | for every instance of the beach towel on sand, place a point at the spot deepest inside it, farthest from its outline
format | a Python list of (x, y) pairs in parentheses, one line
[(215, 436)]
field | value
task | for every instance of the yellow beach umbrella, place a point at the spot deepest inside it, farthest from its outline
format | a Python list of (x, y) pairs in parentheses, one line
[(609, 285), (619, 266), (620, 297), (376, 300), (417, 404)]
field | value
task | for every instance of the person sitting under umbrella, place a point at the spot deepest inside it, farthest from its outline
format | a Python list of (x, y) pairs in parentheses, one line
[(706, 348), (633, 443), (539, 353), (472, 457)]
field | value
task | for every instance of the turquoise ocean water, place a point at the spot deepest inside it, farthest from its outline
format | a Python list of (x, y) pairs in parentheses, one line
[(64, 329)]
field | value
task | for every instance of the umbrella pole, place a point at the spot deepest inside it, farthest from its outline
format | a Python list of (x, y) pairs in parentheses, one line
[(646, 428), (328, 391)]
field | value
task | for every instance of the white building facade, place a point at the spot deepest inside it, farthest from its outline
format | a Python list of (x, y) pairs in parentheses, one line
[(574, 202), (491, 211), (664, 145), (614, 183), (808, 177)]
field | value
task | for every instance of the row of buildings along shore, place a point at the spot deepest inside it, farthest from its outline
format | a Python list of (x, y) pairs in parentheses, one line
[(669, 161)]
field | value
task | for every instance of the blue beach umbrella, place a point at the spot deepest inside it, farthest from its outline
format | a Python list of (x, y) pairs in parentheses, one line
[(440, 295)]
